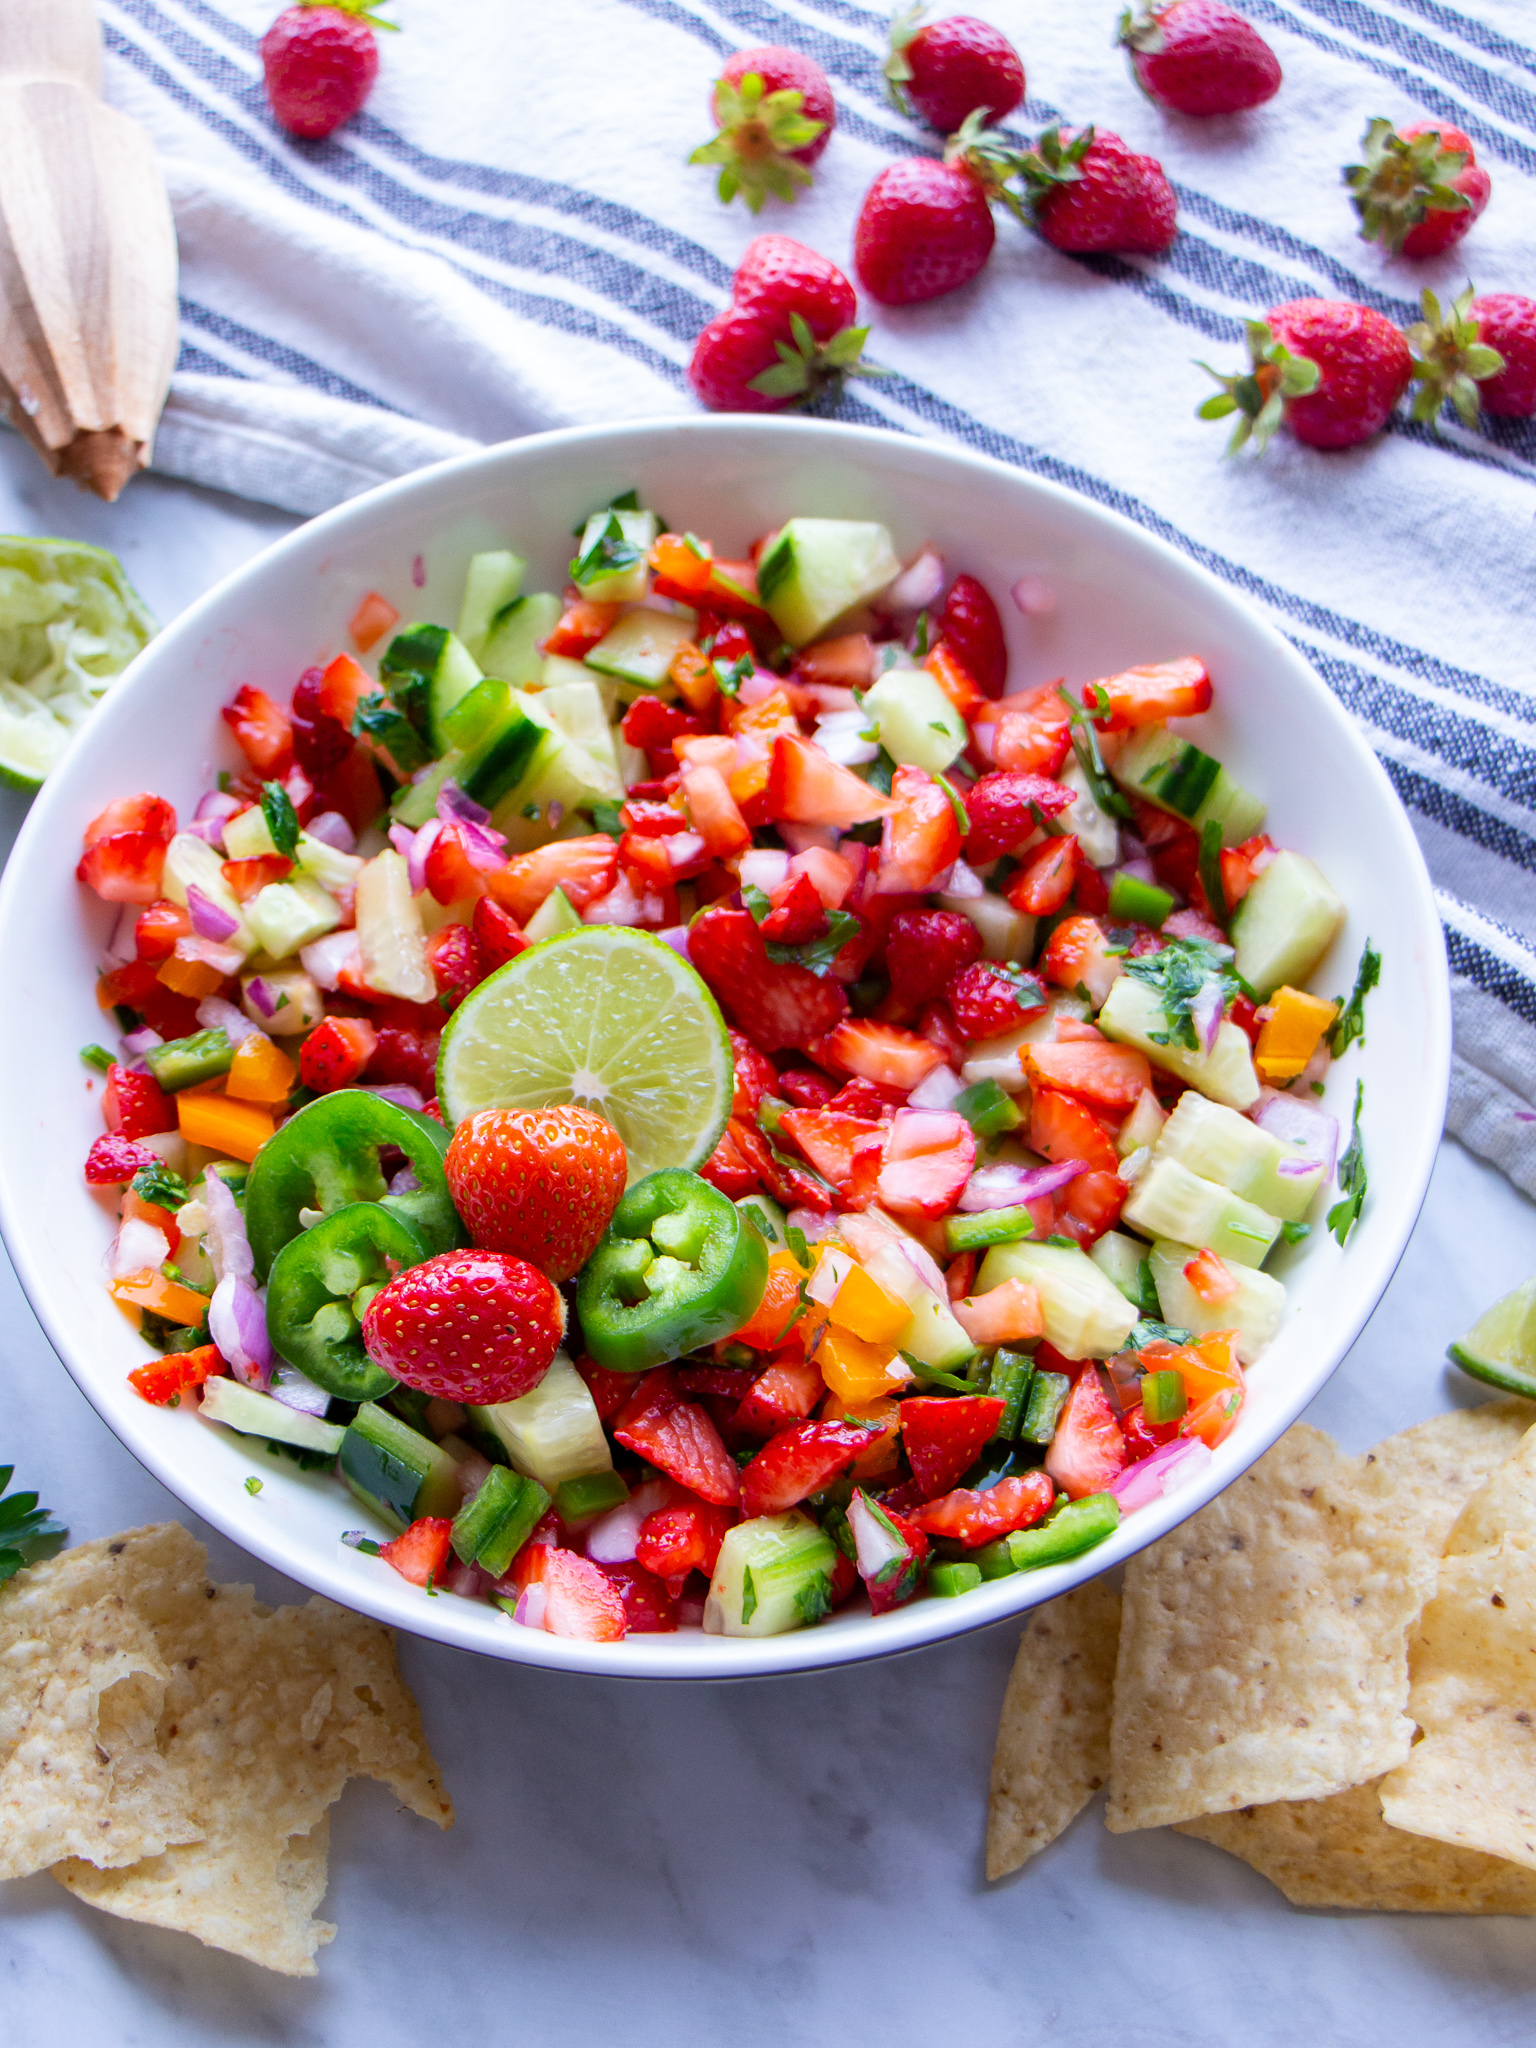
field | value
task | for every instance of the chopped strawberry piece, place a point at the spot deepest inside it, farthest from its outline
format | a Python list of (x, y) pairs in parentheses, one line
[(894, 1578), (113, 1161), (786, 1393), (374, 617), (497, 933), (684, 1537), (1090, 891), (581, 625), (1150, 695), (1034, 731), (353, 789), (991, 997), (1107, 1077), (403, 1054), (1087, 1453), (807, 787), (343, 687), (716, 814), (1076, 955), (580, 1600), (649, 1609), (972, 1518), (970, 627), (1090, 1205), (943, 663), (651, 817), (846, 663), (1005, 808), (320, 741), (1242, 865), (868, 1100), (844, 1580), (421, 1552), (157, 929), (937, 1024), (805, 1088), (1211, 1278), (124, 851), (682, 1442), (1142, 1438), (828, 1139), (262, 730), (134, 1105), (584, 868), (652, 726), (799, 1461), (756, 1076), (609, 1390), (1061, 1129), (944, 1436), (797, 915), (928, 1158), (136, 986), (247, 878), (336, 1053), (920, 841), (1006, 1314), (728, 1167), (880, 1052), (924, 949), (776, 1006), (1245, 1015), (1044, 884), (458, 963)]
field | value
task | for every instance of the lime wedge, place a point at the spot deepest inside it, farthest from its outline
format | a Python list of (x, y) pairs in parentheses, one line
[(1500, 1347), (605, 1017)]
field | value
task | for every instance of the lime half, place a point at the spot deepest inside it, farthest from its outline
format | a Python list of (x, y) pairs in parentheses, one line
[(1500, 1347), (605, 1017)]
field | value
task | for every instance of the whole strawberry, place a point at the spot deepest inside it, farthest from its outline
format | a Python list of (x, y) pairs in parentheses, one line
[(925, 228), (786, 336), (467, 1326), (320, 60), (1330, 370), (1200, 57), (1507, 322), (775, 114), (952, 68), (538, 1183), (970, 628), (1479, 353), (1419, 189), (1091, 194)]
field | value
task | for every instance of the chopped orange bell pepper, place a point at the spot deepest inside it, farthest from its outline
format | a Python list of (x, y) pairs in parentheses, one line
[(1291, 1033), (194, 978), (684, 561), (862, 1307), (237, 1129), (162, 1297), (694, 676), (879, 1455), (856, 1371), (771, 1319), (260, 1072)]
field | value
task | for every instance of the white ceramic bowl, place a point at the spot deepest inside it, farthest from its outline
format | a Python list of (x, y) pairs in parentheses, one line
[(1123, 597)]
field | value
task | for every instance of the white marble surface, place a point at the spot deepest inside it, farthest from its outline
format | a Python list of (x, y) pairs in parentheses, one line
[(794, 1860)]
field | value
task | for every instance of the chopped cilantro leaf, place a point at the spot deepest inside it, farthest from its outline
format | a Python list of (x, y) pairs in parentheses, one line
[(605, 817), (609, 552), (756, 900), (159, 1185), (1177, 973), (1149, 1331), (1085, 745), (956, 802), (731, 675), (1345, 1214), (282, 819), (1349, 1026), (253, 1485), (816, 954)]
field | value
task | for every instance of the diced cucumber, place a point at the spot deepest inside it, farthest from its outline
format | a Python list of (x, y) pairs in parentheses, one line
[(557, 772), (1285, 924), (491, 583), (1176, 776), (513, 648), (1220, 1145), (294, 1004), (183, 1062), (773, 1574), (1084, 1312), (992, 1226), (255, 1414), (554, 914), (492, 1527), (287, 915), (191, 863), (1006, 933), (933, 1337), (395, 1470), (493, 740), (918, 725), (427, 671), (1143, 1126), (248, 835), (1170, 1201), (998, 1059), (1097, 834), (769, 1218), (626, 532), (1133, 1014), (327, 865), (1254, 1311), (576, 708), (639, 648), (1124, 1259), (817, 569), (553, 1433)]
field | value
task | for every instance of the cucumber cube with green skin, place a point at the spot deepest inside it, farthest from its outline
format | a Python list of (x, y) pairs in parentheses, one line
[(1170, 1201), (492, 583), (818, 569), (1133, 1014), (918, 725), (990, 1227), (772, 1575), (255, 1414), (492, 1527), (769, 1218), (429, 667), (1171, 773), (1124, 1259), (576, 708), (640, 647), (608, 534), (287, 915), (1254, 1311), (394, 1470), (1006, 933), (513, 648), (558, 771), (1085, 1314), (1285, 924), (183, 1062), (1222, 1146), (554, 1432), (554, 914), (1144, 1124)]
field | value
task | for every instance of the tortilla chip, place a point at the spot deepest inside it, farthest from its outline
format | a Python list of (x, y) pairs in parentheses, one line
[(1504, 1505), (1263, 1645), (266, 1717), (1471, 1779), (1053, 1740), (1340, 1852), (1422, 1478)]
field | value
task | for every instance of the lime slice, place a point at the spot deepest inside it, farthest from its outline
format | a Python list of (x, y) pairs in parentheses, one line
[(1500, 1347), (70, 621), (606, 1017)]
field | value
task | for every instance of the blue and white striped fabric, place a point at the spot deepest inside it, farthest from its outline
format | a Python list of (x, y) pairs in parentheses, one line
[(509, 239)]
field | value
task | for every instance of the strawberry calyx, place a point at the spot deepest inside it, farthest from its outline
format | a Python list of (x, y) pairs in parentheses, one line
[(897, 68), (807, 367), (1143, 32), (990, 158), (363, 9), (1402, 178), (1051, 164), (1258, 394), (759, 131), (1449, 359)]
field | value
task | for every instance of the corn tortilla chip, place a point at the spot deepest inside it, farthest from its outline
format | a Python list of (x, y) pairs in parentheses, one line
[(267, 1714), (1263, 1645), (1053, 1740), (1422, 1478), (1504, 1505), (1471, 1778), (1340, 1852)]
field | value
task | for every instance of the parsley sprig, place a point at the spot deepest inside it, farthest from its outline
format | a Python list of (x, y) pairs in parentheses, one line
[(609, 551), (282, 819), (1177, 973), (1345, 1214), (1349, 1026), (28, 1533)]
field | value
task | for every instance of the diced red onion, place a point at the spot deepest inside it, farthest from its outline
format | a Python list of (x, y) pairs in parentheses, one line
[(218, 803), (812, 1224), (676, 936), (237, 1323), (964, 882), (324, 959), (209, 919), (1035, 596), (332, 830), (416, 853), (471, 1473), (801, 838), (454, 807), (919, 585), (402, 838), (209, 830), (1205, 1014), (258, 992), (555, 813), (225, 960), (123, 945), (470, 1581), (937, 1089), (841, 735), (297, 1390), (1312, 1131), (138, 1246), (758, 687), (1170, 1468), (1007, 1187), (400, 1093), (405, 1181), (214, 1014), (137, 1043), (829, 697), (765, 868), (1314, 1073), (612, 1537), (876, 1546), (1139, 869), (832, 1269), (531, 1604), (227, 1247)]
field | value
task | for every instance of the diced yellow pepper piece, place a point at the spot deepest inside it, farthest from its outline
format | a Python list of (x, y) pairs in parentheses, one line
[(862, 1305), (259, 1072), (235, 1130), (856, 1371), (189, 977), (1291, 1032)]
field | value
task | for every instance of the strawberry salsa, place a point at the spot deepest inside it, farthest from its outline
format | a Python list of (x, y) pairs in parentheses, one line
[(949, 1256)]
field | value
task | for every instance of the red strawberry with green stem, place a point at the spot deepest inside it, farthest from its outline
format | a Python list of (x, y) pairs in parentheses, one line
[(1200, 57), (1090, 193), (1332, 371), (1507, 322), (786, 338), (775, 113), (1456, 357), (926, 228), (952, 68), (320, 60), (1419, 189)]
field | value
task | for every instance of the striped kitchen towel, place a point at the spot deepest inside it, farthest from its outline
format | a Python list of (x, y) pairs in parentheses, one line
[(509, 238)]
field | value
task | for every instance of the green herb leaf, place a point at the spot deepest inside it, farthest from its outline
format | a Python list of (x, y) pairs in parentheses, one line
[(756, 900), (611, 551), (1345, 1214), (731, 675), (956, 801), (253, 1485), (1106, 793), (819, 955), (605, 816), (282, 819), (158, 1184), (1148, 1331), (1177, 973), (28, 1533), (1349, 1026), (1293, 1233)]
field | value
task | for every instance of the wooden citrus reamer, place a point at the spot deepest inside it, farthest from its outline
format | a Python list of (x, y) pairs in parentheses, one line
[(88, 310)]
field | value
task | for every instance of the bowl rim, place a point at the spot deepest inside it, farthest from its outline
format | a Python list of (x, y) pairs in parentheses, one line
[(921, 1623)]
